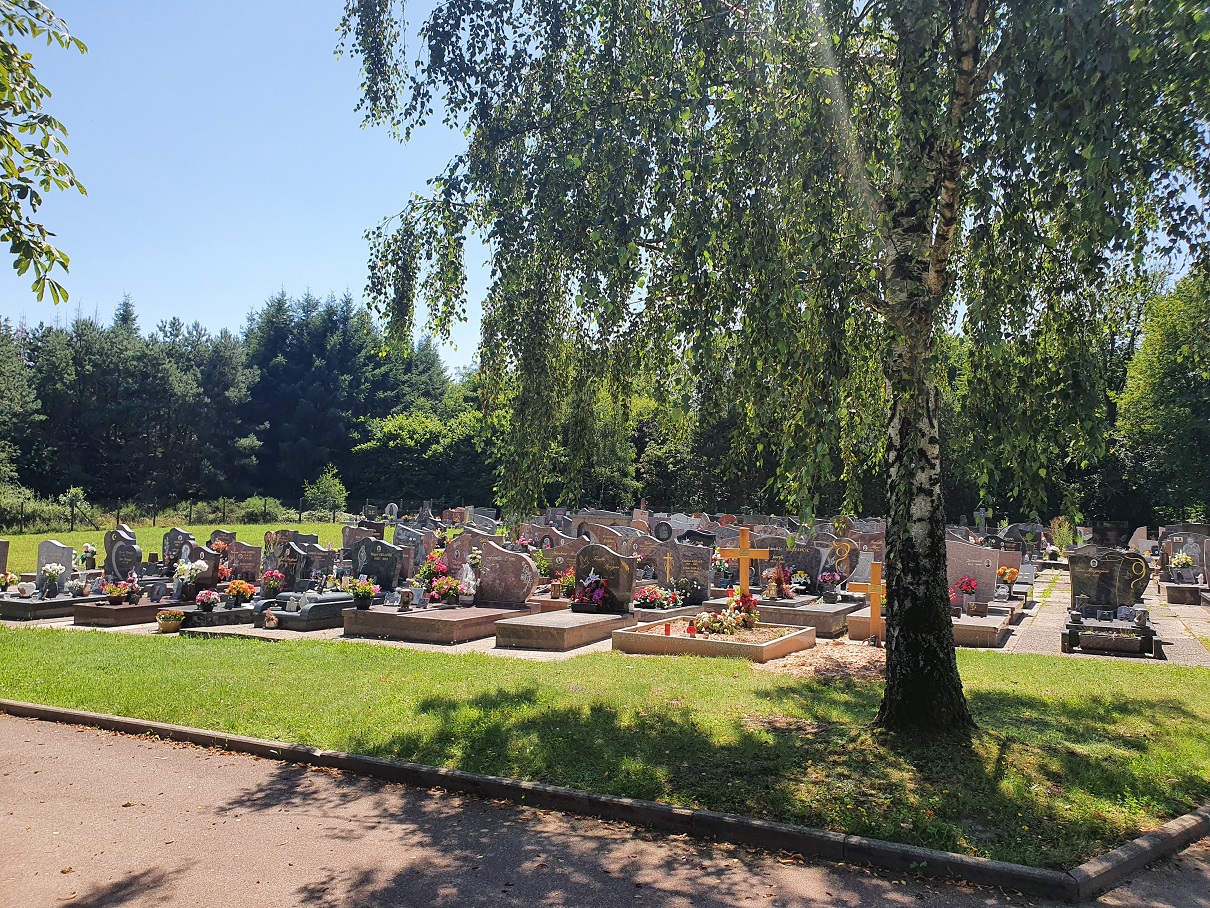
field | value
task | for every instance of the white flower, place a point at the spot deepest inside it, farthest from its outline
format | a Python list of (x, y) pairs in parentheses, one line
[(53, 570)]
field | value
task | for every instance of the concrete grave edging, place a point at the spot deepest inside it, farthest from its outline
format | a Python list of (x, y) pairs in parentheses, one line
[(1082, 883)]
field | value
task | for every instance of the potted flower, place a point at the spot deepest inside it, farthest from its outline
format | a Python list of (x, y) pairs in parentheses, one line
[(657, 598), (827, 583), (563, 584), (169, 620), (239, 592), (115, 592), (51, 574), (446, 588), (270, 582), (363, 592), (466, 592), (967, 586), (188, 572), (720, 566), (1008, 575), (7, 579), (207, 599), (77, 588), (87, 559), (433, 569)]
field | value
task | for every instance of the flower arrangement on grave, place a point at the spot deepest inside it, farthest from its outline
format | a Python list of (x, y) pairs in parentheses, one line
[(77, 587), (208, 599), (170, 616), (778, 584), (525, 540), (718, 563), (189, 571), (53, 571), (967, 585), (7, 579), (115, 590), (740, 614), (434, 567), (224, 573), (364, 589), (447, 587), (221, 547), (240, 591), (475, 558), (657, 597), (953, 596), (88, 552), (1008, 574), (1181, 560), (566, 582), (594, 591), (800, 578), (271, 582), (829, 578)]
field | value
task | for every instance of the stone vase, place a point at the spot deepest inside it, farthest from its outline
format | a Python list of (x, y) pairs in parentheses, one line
[(188, 592), (204, 606), (362, 603)]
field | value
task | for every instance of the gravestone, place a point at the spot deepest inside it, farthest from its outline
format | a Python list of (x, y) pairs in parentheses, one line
[(378, 560), (391, 511), (51, 551), (379, 528), (698, 537), (669, 563), (485, 524), (3, 555), (291, 560), (303, 538), (224, 536), (1187, 543), (974, 561), (349, 536), (993, 541), (550, 538), (506, 579), (413, 540), (1110, 533), (209, 577), (244, 561), (1138, 539), (839, 555), (173, 541), (458, 550), (1107, 578), (563, 558), (119, 564), (274, 542), (981, 521), (870, 539), (861, 574), (618, 571)]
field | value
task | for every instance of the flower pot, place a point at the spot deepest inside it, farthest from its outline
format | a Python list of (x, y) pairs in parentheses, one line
[(51, 590), (234, 603), (466, 599), (116, 600), (270, 592), (362, 603), (205, 606), (188, 592), (169, 627), (829, 593), (134, 598)]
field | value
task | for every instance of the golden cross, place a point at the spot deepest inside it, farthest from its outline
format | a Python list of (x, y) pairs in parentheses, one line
[(874, 590), (668, 562), (745, 554)]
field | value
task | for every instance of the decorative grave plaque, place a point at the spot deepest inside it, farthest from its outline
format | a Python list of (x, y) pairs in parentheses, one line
[(117, 564)]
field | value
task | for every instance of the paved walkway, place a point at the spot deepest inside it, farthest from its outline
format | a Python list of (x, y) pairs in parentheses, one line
[(91, 818), (1179, 626)]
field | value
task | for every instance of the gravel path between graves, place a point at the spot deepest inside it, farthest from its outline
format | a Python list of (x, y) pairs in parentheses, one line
[(95, 818)]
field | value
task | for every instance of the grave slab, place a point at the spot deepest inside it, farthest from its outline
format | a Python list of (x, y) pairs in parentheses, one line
[(89, 614), (642, 641), (18, 608), (430, 625), (219, 617), (971, 631), (558, 631), (829, 619), (1182, 593)]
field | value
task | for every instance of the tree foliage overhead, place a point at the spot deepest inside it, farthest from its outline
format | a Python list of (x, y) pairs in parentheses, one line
[(31, 142), (818, 182)]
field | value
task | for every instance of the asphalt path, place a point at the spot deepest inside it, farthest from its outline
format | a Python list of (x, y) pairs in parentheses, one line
[(96, 818)]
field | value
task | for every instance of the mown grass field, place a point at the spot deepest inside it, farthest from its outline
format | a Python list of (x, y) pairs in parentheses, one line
[(1072, 757), (23, 550)]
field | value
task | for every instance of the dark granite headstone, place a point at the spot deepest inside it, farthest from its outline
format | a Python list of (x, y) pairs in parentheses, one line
[(617, 570), (378, 527), (209, 577), (120, 565), (563, 557), (379, 560), (224, 536), (321, 560), (350, 535), (174, 540), (303, 538), (1105, 577), (244, 561), (413, 540), (291, 560)]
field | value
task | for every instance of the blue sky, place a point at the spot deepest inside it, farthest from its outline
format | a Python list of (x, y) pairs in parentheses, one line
[(223, 161)]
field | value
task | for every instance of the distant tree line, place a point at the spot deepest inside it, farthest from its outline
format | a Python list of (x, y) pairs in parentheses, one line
[(180, 414)]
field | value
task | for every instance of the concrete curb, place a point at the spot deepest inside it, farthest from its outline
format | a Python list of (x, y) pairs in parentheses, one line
[(1082, 883)]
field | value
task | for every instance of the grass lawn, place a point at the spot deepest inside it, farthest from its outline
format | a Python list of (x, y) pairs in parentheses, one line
[(1072, 756), (23, 550)]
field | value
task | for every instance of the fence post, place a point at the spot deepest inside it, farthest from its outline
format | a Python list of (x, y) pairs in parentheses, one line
[(155, 511), (264, 509), (117, 517), (22, 517), (300, 504), (191, 513), (224, 510), (71, 508)]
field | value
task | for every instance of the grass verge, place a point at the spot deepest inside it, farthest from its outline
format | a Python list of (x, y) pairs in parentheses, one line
[(1072, 756), (23, 550)]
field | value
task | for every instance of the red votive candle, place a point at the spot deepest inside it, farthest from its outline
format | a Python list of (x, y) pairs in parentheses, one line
[(667, 630)]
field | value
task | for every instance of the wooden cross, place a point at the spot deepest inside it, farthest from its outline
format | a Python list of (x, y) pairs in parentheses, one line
[(874, 590), (745, 554)]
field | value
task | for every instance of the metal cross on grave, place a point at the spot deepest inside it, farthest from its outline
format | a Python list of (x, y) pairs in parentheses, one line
[(745, 554)]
